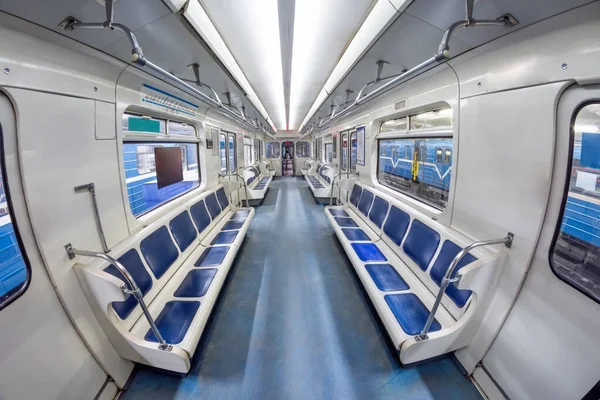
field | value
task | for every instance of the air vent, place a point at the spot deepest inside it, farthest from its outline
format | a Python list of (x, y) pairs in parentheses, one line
[(400, 105)]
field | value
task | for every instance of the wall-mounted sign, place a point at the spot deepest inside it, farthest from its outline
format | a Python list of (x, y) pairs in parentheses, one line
[(159, 98), (209, 143), (360, 145)]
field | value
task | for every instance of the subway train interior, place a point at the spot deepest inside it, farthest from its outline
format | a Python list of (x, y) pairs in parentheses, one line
[(299, 199)]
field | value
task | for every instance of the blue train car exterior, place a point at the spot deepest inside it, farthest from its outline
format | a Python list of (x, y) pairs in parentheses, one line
[(12, 265)]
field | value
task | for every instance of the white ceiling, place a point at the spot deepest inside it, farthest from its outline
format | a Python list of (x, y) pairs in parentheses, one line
[(416, 34)]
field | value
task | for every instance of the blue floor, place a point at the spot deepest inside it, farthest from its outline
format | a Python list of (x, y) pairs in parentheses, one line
[(294, 323)]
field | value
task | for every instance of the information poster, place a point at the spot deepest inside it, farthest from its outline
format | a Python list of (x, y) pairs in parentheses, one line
[(360, 145)]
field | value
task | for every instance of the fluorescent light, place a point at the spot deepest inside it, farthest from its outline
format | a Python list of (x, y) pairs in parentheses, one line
[(195, 14), (382, 14)]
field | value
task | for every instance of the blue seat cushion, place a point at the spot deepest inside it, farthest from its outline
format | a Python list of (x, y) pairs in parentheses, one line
[(337, 212), (368, 252), (214, 209), (242, 214), (212, 256), (196, 283), (225, 237), (421, 243), (200, 215), (133, 264), (396, 225), (233, 225), (364, 205), (222, 197), (410, 313), (386, 278), (174, 321), (159, 251), (355, 195), (440, 266), (265, 180), (354, 234), (345, 222), (379, 211), (183, 230)]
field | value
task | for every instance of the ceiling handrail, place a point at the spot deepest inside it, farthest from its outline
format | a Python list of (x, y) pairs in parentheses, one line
[(442, 54), (138, 58)]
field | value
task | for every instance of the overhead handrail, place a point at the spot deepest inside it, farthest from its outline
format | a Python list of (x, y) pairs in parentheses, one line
[(243, 181), (195, 67), (137, 57), (135, 290), (447, 279), (442, 54)]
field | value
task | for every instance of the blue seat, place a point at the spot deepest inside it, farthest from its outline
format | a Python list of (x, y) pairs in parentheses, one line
[(368, 252), (379, 211), (159, 251), (212, 205), (442, 263), (410, 313), (386, 278), (222, 198), (200, 215), (396, 225), (354, 234), (212, 256), (421, 243), (133, 264), (337, 212), (264, 180), (364, 205), (225, 237), (174, 321), (233, 225), (183, 230), (242, 214), (346, 222), (196, 283), (355, 195)]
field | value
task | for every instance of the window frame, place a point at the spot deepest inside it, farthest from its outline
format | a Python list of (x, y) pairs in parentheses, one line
[(276, 145), (7, 193), (230, 136), (303, 143), (248, 142), (563, 204)]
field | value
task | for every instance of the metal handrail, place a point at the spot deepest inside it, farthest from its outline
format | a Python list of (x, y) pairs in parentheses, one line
[(442, 54), (243, 181), (138, 58), (135, 290), (447, 279)]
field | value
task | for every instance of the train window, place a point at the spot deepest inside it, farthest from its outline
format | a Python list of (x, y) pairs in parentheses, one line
[(447, 156), (256, 150), (418, 176), (181, 128), (441, 118), (14, 271), (353, 145), (143, 124), (394, 125), (146, 168), (247, 151), (273, 150), (329, 152), (575, 255), (439, 155), (223, 152), (231, 145), (303, 149)]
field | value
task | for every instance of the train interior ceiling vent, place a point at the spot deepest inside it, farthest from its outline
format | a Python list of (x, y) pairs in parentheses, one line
[(279, 199)]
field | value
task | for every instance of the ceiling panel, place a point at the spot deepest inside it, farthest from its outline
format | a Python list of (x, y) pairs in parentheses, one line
[(49, 13)]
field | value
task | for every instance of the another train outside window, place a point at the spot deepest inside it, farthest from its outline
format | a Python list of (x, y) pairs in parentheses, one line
[(273, 150), (420, 168), (13, 271), (257, 149), (142, 177), (575, 256), (232, 159), (223, 152), (303, 149), (329, 152)]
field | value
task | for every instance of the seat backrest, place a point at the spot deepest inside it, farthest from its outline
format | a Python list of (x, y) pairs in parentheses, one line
[(222, 198), (366, 200), (250, 174), (379, 211), (355, 195), (159, 251), (214, 209), (200, 216), (183, 230)]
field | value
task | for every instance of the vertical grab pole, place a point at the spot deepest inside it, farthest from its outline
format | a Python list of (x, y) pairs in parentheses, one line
[(89, 187)]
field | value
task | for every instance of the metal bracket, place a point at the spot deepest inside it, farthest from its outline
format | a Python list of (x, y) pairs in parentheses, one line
[(68, 23), (509, 20), (509, 239), (70, 252)]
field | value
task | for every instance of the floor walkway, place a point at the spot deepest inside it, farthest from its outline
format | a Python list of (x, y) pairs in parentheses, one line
[(294, 323)]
